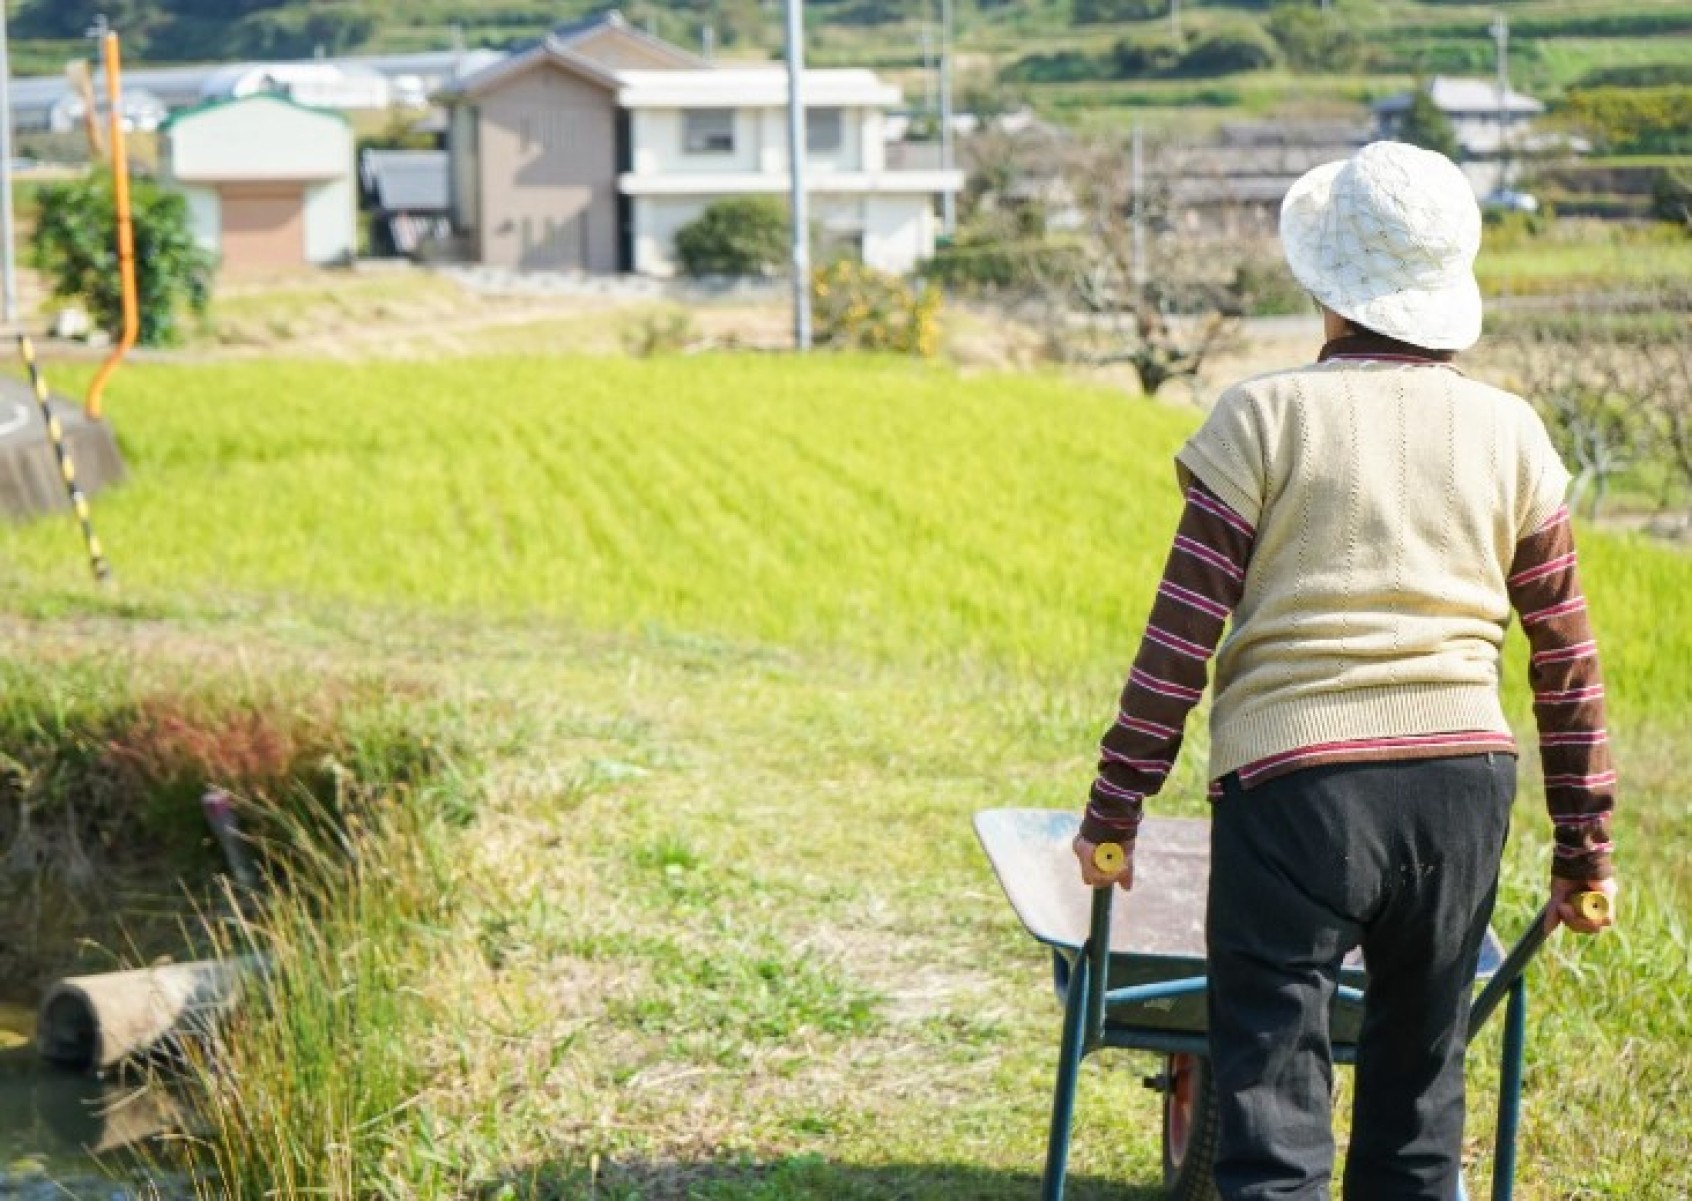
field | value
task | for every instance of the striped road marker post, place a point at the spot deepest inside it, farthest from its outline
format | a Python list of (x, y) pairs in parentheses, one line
[(56, 435)]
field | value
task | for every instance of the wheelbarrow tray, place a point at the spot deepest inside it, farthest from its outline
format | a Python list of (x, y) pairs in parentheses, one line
[(1156, 929)]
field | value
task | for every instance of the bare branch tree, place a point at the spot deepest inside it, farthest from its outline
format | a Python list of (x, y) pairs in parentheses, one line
[(1666, 360), (1098, 306), (1582, 369)]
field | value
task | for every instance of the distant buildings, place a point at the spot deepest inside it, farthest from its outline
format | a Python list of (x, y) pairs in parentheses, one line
[(1491, 129), (143, 112), (349, 87), (1235, 184), (48, 103), (590, 150)]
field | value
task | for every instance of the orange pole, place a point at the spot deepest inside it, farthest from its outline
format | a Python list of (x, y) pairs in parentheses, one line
[(125, 229)]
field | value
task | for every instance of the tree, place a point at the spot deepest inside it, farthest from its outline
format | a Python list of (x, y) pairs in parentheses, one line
[(73, 18), (1671, 197), (1110, 12), (75, 244), (1426, 125), (1313, 39), (1163, 316), (1583, 374), (1147, 54), (1234, 46), (744, 235), (1632, 120)]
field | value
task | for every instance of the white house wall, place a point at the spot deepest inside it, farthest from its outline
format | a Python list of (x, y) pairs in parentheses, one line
[(897, 231), (760, 144), (331, 222), (205, 216), (655, 224), (658, 135), (258, 140)]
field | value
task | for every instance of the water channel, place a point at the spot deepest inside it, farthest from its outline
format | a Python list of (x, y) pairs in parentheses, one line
[(63, 1135)]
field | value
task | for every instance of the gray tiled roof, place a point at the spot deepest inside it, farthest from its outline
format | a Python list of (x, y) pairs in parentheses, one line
[(407, 181)]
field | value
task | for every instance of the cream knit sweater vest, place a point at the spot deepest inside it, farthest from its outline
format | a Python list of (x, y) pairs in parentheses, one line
[(1388, 500)]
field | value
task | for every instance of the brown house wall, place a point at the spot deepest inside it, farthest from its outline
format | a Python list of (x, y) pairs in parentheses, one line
[(549, 173)]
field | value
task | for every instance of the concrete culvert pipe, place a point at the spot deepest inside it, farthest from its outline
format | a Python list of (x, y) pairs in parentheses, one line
[(94, 1023)]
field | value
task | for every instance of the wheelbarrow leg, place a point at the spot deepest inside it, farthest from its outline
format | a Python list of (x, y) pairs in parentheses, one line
[(1068, 1074), (1510, 1092)]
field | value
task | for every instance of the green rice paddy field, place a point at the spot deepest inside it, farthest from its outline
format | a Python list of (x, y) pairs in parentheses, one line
[(742, 642)]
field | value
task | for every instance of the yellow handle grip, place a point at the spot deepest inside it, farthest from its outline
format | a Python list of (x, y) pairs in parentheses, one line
[(1593, 906), (1109, 857)]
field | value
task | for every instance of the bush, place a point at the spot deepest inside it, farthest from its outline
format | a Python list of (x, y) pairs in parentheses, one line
[(744, 235), (1062, 66), (75, 244), (1233, 47), (1634, 120), (1266, 288), (1314, 40), (859, 308), (666, 330), (1671, 197), (982, 262), (1106, 12), (1156, 54), (1643, 75)]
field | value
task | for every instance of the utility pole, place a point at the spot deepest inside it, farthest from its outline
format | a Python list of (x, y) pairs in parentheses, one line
[(801, 232), (1137, 181), (1501, 37), (1175, 19), (8, 267), (948, 198), (930, 87)]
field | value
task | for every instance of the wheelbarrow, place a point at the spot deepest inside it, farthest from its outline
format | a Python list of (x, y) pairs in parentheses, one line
[(1130, 973)]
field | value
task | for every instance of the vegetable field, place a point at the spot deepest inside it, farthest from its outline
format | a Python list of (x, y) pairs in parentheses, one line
[(741, 642)]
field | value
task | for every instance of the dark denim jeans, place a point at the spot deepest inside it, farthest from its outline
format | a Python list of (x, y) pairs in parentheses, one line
[(1398, 858)]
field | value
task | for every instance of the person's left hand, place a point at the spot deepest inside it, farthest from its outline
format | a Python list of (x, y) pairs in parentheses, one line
[(1090, 873)]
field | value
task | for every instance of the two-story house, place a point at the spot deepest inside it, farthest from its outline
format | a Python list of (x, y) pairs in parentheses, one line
[(590, 150)]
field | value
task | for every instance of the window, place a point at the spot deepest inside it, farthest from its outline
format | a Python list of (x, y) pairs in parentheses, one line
[(823, 130), (708, 131)]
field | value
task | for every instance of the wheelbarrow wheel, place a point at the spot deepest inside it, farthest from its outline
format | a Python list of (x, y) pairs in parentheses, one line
[(1190, 1129)]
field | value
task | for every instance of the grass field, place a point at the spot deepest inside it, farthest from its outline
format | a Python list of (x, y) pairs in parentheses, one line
[(1576, 257), (740, 643)]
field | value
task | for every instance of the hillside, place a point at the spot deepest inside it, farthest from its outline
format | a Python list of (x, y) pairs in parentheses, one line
[(1070, 57)]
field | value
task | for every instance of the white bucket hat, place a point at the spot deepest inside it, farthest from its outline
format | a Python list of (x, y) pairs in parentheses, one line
[(1387, 239)]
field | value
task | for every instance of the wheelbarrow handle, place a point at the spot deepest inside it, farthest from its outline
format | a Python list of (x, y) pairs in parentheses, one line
[(1594, 905), (1098, 952), (1515, 963)]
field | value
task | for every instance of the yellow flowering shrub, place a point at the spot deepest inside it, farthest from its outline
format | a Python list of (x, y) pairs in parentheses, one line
[(855, 307)]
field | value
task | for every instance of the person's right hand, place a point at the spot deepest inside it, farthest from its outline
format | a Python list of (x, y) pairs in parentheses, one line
[(1563, 913)]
